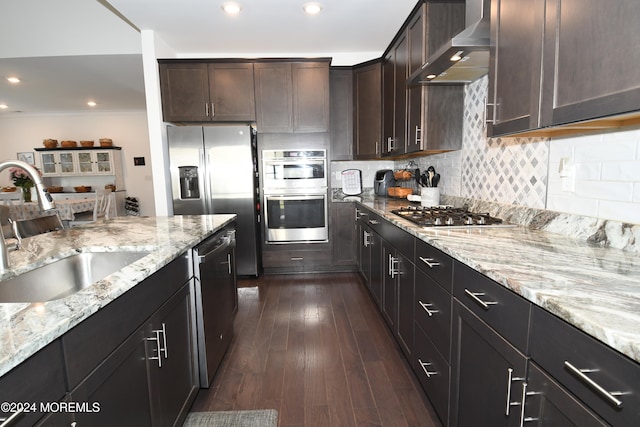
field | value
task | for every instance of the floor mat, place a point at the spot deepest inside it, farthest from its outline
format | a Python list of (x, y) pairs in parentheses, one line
[(257, 418)]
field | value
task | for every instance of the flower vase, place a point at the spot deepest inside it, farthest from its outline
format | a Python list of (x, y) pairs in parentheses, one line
[(26, 194)]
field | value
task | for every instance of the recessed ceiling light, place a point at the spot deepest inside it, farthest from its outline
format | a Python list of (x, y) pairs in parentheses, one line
[(91, 103), (13, 80), (231, 8), (312, 8), (431, 76)]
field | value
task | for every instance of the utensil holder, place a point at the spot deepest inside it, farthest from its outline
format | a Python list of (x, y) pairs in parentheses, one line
[(429, 196)]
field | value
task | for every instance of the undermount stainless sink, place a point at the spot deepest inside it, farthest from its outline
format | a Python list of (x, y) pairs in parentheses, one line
[(65, 277)]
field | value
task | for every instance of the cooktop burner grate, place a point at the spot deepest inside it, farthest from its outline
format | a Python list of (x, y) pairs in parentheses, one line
[(445, 216)]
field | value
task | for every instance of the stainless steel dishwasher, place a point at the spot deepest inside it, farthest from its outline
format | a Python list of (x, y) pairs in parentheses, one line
[(216, 299)]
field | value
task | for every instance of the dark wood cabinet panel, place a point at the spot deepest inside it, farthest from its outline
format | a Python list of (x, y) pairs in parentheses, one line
[(487, 374), (549, 404), (343, 235), (204, 92), (185, 92), (173, 379), (231, 92), (38, 379), (341, 113), (310, 97), (292, 97), (593, 73), (274, 99), (367, 90), (433, 372)]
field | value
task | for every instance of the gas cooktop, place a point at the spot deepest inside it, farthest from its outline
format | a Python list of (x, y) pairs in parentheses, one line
[(445, 216)]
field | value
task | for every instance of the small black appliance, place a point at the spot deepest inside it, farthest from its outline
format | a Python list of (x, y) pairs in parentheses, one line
[(383, 181)]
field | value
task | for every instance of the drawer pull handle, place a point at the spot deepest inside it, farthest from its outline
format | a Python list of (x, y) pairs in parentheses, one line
[(6, 422), (373, 221), (425, 307), (297, 258), (474, 296), (430, 262), (424, 368), (511, 379), (580, 374), (393, 266), (366, 238)]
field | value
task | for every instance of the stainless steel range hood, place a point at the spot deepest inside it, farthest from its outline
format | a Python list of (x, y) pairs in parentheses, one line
[(471, 45)]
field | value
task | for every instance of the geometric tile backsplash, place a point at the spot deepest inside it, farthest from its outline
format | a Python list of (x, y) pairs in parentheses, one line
[(504, 170)]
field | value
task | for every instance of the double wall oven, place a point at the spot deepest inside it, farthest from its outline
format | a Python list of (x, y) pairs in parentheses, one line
[(295, 196)]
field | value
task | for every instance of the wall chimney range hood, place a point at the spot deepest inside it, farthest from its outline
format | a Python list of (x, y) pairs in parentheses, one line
[(465, 57)]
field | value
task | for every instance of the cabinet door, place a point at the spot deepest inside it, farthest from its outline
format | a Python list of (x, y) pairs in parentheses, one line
[(172, 375), (367, 89), (488, 374), (591, 51), (231, 92), (341, 97), (67, 162), (119, 385), (310, 97), (388, 103), (104, 162), (38, 379), (377, 268), (404, 330), (343, 234), (401, 59), (416, 52), (391, 268), (85, 162), (547, 403), (185, 92), (49, 163), (274, 99), (515, 58)]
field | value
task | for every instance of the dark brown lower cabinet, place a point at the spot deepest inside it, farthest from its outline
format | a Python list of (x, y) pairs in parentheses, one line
[(549, 404), (488, 374), (149, 380), (433, 373)]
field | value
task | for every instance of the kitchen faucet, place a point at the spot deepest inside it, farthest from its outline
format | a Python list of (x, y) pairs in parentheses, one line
[(45, 201)]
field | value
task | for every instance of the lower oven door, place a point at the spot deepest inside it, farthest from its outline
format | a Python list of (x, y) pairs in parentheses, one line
[(296, 218)]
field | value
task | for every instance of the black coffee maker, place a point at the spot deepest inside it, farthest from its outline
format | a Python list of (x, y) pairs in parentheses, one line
[(383, 181)]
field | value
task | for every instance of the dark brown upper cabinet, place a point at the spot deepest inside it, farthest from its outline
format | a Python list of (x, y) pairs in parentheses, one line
[(292, 96), (394, 97), (204, 92), (367, 112), (557, 67)]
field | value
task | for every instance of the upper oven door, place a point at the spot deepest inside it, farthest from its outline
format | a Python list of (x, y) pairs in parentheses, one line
[(282, 170)]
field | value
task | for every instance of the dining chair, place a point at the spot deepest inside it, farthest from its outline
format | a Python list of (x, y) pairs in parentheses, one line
[(101, 209), (22, 228)]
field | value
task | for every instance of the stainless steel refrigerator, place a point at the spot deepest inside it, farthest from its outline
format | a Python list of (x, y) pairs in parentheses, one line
[(214, 170)]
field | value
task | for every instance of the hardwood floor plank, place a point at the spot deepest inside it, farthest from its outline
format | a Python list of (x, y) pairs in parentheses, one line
[(315, 347)]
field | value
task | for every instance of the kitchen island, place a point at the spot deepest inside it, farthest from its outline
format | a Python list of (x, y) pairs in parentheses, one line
[(28, 327)]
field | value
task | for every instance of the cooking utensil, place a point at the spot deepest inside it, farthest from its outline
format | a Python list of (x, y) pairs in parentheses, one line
[(435, 180), (417, 176), (431, 171)]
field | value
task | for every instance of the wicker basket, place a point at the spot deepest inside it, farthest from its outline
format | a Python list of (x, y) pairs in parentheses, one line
[(400, 192), (68, 144), (54, 189), (86, 143), (50, 143), (106, 142), (82, 189)]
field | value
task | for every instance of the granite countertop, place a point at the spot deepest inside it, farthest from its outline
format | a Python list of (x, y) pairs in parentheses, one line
[(26, 328), (595, 288)]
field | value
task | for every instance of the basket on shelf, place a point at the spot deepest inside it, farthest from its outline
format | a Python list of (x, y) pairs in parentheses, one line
[(400, 192), (68, 144), (50, 143), (106, 142), (86, 143)]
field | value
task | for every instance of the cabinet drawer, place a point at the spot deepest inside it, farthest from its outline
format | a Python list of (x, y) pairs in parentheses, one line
[(433, 373), (90, 342), (502, 309), (433, 312), (561, 349), (435, 263)]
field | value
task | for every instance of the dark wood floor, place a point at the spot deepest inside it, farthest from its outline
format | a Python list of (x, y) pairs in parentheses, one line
[(315, 348)]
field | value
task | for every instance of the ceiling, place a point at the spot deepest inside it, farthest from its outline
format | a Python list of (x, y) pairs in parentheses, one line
[(71, 51)]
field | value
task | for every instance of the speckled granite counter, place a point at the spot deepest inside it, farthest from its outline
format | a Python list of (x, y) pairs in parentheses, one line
[(595, 288), (26, 328)]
